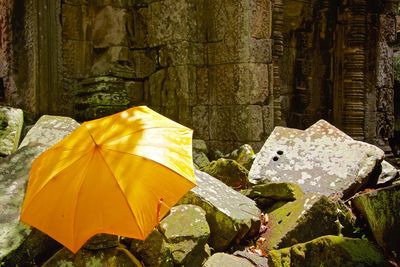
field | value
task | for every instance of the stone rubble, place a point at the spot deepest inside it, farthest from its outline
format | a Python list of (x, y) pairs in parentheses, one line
[(283, 220)]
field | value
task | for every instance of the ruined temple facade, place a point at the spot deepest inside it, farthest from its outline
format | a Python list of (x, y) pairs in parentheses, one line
[(231, 70)]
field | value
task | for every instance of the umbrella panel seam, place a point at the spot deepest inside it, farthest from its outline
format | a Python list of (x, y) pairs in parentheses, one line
[(122, 191)]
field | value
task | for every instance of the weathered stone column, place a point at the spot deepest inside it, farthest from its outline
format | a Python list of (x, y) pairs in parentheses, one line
[(241, 103)]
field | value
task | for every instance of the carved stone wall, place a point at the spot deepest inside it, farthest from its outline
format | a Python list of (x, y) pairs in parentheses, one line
[(386, 37), (30, 67), (205, 63), (340, 66), (231, 70)]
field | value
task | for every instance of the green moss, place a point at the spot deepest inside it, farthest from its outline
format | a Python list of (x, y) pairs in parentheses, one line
[(228, 171), (328, 251), (380, 209)]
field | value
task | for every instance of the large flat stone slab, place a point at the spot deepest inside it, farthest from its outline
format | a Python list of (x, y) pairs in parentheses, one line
[(230, 215), (49, 130), (381, 209), (11, 123), (320, 159)]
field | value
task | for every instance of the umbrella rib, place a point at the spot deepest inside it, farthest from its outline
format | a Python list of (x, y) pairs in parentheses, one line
[(119, 186), (79, 190)]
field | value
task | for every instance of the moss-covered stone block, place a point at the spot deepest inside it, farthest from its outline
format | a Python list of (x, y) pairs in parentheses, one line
[(186, 231), (328, 251), (230, 215), (244, 155), (11, 123), (226, 260), (154, 251), (268, 194), (228, 171), (307, 218), (101, 241), (49, 130), (200, 159), (381, 209), (118, 256), (20, 244)]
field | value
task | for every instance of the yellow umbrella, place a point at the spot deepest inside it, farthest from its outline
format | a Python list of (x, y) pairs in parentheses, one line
[(117, 175)]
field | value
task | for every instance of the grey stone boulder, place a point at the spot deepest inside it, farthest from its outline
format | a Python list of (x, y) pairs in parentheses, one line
[(101, 241), (380, 208), (11, 123), (19, 244), (186, 232), (230, 215), (307, 218), (228, 171), (227, 260), (244, 155), (181, 239), (49, 130), (200, 159), (388, 174), (200, 151), (321, 159), (118, 256), (270, 193), (254, 258), (328, 251), (154, 251), (199, 146)]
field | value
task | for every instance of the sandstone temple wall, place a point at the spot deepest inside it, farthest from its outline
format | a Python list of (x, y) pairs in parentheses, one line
[(231, 70)]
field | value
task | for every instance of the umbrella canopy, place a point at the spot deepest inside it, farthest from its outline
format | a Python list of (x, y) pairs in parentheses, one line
[(118, 175)]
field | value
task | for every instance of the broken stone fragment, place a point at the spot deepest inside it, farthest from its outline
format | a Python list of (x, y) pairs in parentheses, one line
[(49, 130), (154, 251), (257, 260), (11, 123), (186, 232), (102, 241), (200, 159), (228, 171), (388, 175), (381, 210), (244, 155), (230, 215), (321, 159), (118, 256), (226, 260), (307, 218), (20, 245), (328, 251), (271, 193), (23, 245), (199, 146), (173, 243)]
